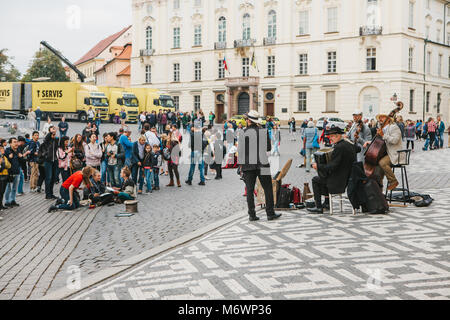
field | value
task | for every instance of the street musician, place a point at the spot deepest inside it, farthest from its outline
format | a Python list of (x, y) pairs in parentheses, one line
[(335, 174)]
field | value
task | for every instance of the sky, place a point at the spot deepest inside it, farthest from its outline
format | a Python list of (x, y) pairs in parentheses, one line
[(71, 26)]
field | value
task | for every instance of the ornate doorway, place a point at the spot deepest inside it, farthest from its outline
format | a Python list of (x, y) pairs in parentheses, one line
[(243, 103)]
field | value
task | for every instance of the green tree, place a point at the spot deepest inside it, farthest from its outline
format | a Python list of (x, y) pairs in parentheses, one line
[(46, 64), (7, 70)]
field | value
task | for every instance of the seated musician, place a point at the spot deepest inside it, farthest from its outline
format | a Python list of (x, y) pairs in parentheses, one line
[(336, 173), (392, 135), (364, 137)]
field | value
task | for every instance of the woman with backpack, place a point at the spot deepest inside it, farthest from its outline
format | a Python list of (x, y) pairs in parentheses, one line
[(78, 158), (310, 139)]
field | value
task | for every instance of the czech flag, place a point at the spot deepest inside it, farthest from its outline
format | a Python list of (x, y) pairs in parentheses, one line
[(225, 64)]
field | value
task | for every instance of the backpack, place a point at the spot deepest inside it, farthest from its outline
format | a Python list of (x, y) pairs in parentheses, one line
[(296, 197), (166, 154), (284, 197), (376, 201)]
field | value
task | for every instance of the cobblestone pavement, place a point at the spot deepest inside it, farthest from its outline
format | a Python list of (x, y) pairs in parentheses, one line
[(95, 240)]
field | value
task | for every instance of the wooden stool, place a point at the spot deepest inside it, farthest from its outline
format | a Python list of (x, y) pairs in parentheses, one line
[(131, 206)]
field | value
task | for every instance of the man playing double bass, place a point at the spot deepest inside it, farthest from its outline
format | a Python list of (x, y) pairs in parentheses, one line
[(337, 171), (359, 134), (392, 135)]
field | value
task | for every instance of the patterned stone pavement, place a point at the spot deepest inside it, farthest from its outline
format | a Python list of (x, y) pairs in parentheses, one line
[(403, 255)]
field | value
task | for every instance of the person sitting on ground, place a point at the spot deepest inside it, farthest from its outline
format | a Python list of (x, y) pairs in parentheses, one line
[(98, 190), (128, 189), (69, 197)]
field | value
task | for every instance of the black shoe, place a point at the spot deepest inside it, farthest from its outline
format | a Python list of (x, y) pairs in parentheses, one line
[(202, 183), (38, 190), (59, 201), (315, 210), (52, 208), (218, 178), (189, 183), (14, 204), (3, 208), (253, 218), (51, 198), (274, 217), (326, 205)]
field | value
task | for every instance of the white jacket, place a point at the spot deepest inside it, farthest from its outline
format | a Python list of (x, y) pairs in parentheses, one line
[(93, 154), (394, 142)]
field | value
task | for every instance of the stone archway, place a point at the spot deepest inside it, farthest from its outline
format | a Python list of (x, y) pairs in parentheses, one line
[(243, 103)]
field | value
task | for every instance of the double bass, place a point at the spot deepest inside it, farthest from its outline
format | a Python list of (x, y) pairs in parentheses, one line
[(377, 149)]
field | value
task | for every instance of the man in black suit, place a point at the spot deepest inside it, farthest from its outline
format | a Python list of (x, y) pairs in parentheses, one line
[(253, 148), (336, 173)]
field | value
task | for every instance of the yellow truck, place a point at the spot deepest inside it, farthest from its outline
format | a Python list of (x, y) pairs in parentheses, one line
[(153, 100), (122, 98), (66, 99), (12, 103)]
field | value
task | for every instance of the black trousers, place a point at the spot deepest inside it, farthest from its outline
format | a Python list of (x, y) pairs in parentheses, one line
[(320, 189), (266, 183), (3, 183), (218, 168), (41, 176), (173, 169)]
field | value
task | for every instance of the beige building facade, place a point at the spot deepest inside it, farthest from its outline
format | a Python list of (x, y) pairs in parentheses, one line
[(295, 58)]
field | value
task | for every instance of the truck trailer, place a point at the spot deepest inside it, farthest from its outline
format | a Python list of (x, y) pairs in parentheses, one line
[(122, 98)]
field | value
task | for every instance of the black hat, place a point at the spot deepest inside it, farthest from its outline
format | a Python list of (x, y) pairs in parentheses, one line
[(335, 130)]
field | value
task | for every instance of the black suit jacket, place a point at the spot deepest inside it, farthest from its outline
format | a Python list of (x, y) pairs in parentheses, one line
[(338, 170)]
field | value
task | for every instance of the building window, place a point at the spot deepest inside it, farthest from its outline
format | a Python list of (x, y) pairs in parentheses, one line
[(176, 37), (427, 104), (221, 69), (148, 74), (222, 30), (272, 25), (198, 71), (371, 59), (176, 72), (197, 103), (410, 59), (428, 62), (332, 19), (149, 38), (246, 27), (176, 102), (372, 13), (176, 4), (303, 67), (411, 14), (271, 66), (331, 68), (302, 101), (198, 3), (245, 67), (411, 100), (304, 23), (440, 66), (331, 101), (198, 35)]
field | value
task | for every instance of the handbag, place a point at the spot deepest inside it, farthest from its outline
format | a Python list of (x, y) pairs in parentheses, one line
[(77, 164), (316, 144)]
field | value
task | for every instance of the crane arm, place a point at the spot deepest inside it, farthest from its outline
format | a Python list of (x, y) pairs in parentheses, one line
[(80, 74)]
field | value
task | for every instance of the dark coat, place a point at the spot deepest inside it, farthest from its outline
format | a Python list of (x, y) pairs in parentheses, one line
[(248, 144), (49, 148), (355, 189), (135, 158), (338, 170)]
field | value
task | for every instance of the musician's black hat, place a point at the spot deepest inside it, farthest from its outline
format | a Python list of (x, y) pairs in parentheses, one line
[(334, 130)]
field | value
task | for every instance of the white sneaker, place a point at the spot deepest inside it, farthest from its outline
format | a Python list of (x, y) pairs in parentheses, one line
[(207, 178)]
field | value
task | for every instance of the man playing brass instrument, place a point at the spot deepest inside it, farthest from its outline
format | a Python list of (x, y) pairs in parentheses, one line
[(392, 135), (337, 171)]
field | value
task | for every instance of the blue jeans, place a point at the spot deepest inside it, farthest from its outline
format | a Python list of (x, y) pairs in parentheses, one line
[(440, 136), (155, 178), (103, 166), (113, 175), (148, 178), (11, 190), (197, 157), (65, 195), (51, 171), (38, 124), (62, 134), (21, 178)]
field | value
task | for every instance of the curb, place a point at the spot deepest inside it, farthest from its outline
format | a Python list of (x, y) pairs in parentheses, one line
[(116, 269)]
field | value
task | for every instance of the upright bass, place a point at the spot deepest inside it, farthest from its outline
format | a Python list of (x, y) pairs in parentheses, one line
[(377, 149)]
